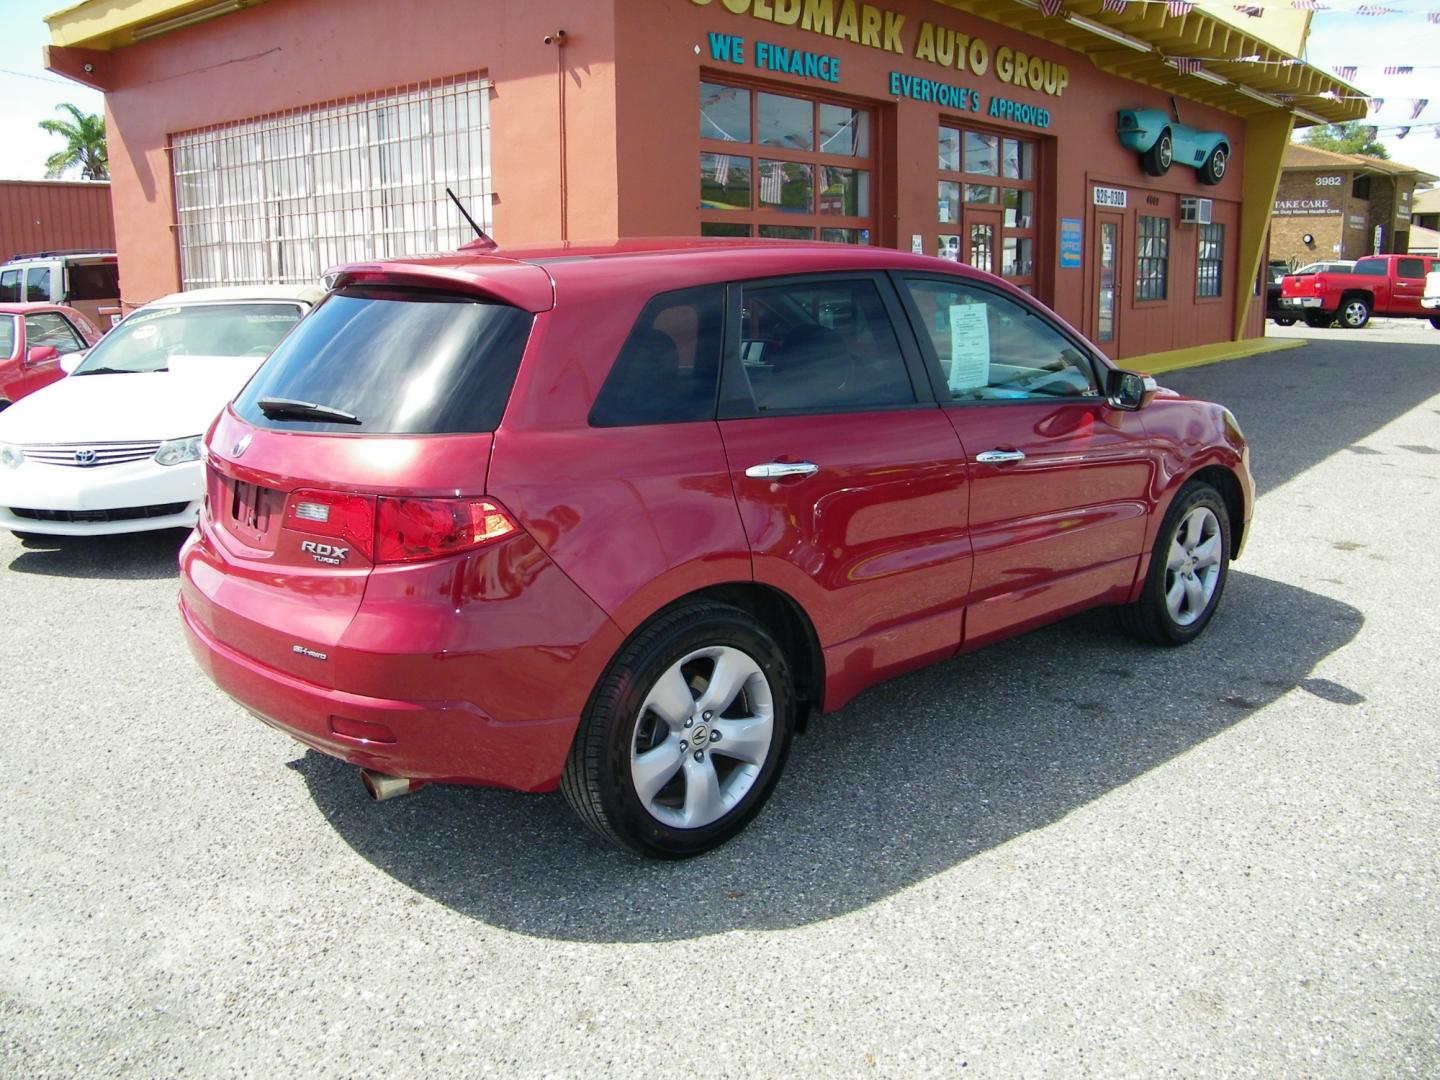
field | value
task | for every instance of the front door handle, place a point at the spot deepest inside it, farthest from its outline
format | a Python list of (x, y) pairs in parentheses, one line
[(778, 470), (999, 457)]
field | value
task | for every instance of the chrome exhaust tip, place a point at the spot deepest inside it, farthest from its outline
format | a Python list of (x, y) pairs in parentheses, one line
[(381, 787)]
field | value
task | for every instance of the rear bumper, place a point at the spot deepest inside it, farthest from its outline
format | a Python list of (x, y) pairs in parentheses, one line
[(1302, 302), (438, 741)]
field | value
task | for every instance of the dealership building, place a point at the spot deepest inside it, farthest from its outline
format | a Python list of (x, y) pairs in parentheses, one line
[(266, 140), (1343, 206)]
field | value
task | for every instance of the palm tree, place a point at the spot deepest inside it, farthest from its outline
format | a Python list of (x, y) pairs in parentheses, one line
[(85, 147)]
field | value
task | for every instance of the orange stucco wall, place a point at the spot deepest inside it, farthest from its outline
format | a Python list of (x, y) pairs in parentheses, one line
[(628, 79), (657, 68), (292, 53)]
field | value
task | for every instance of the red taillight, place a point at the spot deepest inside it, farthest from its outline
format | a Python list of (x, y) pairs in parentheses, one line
[(350, 518), (412, 529)]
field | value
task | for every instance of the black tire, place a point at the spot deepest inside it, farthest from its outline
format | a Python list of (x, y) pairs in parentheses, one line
[(4, 404), (1318, 320), (1354, 313), (1213, 171), (29, 536), (1157, 160), (1435, 321), (1284, 320), (598, 781), (1150, 618)]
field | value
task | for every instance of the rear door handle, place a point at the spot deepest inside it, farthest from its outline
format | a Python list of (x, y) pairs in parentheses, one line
[(999, 457), (778, 470)]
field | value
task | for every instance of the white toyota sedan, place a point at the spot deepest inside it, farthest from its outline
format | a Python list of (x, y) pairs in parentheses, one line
[(115, 447)]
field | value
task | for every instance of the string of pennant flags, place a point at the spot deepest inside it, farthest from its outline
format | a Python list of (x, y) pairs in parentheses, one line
[(1255, 11), (1191, 65)]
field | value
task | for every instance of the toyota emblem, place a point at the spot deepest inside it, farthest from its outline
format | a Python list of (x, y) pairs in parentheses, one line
[(85, 457), (241, 447)]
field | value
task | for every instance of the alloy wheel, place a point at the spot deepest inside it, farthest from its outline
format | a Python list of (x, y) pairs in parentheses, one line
[(702, 737), (1192, 570)]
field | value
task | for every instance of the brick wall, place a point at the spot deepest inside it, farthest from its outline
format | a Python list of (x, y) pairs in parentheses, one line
[(1306, 205)]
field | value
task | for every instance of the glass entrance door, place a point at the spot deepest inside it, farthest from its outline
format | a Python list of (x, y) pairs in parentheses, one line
[(981, 239), (1108, 233)]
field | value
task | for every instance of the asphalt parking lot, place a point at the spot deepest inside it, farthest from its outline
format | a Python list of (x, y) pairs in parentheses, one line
[(1068, 855)]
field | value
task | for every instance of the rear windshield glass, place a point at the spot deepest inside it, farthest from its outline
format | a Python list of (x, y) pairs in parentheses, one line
[(1371, 267), (149, 338), (7, 336), (94, 281), (402, 361)]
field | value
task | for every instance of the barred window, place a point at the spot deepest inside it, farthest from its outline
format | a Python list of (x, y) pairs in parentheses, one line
[(282, 198), (1211, 260), (1152, 251)]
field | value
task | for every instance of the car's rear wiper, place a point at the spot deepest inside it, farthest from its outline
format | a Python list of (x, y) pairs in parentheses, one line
[(279, 408)]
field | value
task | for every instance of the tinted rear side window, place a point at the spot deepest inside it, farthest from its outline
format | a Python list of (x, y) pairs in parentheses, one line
[(668, 368), (94, 281), (405, 362), (1371, 267), (9, 286)]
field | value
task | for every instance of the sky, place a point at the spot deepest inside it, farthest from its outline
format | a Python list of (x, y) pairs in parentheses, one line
[(30, 93), (1374, 42)]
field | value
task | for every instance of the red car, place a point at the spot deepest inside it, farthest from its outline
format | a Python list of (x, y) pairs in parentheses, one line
[(1389, 285), (33, 337), (620, 519)]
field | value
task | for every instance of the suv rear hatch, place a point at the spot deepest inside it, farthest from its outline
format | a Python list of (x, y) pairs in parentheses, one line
[(364, 440)]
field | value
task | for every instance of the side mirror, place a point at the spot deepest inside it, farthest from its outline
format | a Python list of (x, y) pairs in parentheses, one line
[(71, 361), (40, 354), (1129, 390)]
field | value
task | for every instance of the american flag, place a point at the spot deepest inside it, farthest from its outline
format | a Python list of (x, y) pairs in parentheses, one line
[(1346, 72), (1178, 7), (1375, 9), (1434, 17), (772, 183), (1395, 69), (1402, 133), (1306, 5), (1115, 7), (1052, 7), (1419, 104), (1188, 65), (1248, 9), (1376, 104)]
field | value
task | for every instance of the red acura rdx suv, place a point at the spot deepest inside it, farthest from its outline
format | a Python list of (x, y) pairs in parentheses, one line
[(617, 519)]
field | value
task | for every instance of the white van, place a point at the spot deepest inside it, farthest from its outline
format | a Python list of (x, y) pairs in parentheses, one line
[(88, 281)]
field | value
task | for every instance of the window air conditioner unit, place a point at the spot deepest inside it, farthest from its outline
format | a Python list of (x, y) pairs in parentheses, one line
[(1194, 211)]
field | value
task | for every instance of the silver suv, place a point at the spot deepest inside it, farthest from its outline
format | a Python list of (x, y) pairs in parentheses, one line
[(88, 281)]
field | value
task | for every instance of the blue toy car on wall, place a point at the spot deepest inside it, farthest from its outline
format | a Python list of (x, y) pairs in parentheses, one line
[(1161, 141)]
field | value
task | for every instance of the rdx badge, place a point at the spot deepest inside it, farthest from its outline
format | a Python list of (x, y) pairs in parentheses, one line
[(325, 553)]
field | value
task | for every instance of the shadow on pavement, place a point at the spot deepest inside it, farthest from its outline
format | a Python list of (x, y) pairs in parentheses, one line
[(147, 556), (1300, 406), (914, 777)]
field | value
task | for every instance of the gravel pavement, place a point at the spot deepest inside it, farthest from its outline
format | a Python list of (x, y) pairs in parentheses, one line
[(1067, 855)]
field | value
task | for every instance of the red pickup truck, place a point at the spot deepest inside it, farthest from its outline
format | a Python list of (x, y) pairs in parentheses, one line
[(1390, 285)]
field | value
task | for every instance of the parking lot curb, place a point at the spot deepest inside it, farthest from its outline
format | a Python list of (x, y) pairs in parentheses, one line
[(1178, 359)]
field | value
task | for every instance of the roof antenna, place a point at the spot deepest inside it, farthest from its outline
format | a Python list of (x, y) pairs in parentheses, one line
[(482, 240)]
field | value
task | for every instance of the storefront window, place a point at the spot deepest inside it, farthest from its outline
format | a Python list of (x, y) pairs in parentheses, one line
[(823, 176), (986, 196), (1210, 264), (786, 121), (1152, 269), (844, 130), (724, 113), (982, 154)]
